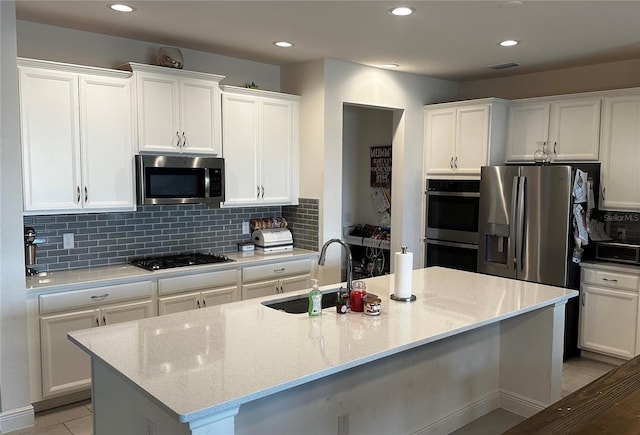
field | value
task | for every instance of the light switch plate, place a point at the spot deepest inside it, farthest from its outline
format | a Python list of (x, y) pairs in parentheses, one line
[(245, 227), (67, 241)]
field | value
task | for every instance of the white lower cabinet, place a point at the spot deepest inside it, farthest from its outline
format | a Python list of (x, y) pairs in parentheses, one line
[(190, 292), (276, 278), (609, 310), (66, 368)]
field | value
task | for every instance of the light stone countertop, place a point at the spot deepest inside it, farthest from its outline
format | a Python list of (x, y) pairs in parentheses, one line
[(200, 362), (118, 273)]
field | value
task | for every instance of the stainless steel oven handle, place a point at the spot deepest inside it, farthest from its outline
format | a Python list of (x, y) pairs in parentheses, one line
[(456, 194), (452, 244)]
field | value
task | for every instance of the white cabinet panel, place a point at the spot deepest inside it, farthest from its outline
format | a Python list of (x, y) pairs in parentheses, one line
[(260, 289), (49, 115), (608, 321), (462, 137), (178, 111), (65, 368), (570, 126), (77, 138), (609, 309), (620, 153), (178, 303), (260, 147)]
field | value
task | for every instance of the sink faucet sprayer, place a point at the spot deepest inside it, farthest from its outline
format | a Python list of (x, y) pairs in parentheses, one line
[(323, 255)]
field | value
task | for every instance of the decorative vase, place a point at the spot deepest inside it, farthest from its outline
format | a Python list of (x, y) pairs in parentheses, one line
[(170, 57)]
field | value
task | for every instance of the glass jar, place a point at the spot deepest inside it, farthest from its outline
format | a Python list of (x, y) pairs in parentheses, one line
[(542, 154), (372, 305), (358, 292)]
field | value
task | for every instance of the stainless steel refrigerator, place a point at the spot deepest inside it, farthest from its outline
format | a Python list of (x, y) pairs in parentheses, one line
[(524, 223)]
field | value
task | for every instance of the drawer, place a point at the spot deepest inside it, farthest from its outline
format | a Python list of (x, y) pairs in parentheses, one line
[(96, 296), (197, 282), (275, 270), (611, 279)]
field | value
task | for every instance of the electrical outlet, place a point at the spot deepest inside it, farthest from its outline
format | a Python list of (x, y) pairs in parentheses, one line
[(67, 241), (343, 424), (245, 227), (622, 233), (149, 427)]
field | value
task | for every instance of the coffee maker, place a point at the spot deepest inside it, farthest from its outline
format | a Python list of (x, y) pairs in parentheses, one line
[(30, 242)]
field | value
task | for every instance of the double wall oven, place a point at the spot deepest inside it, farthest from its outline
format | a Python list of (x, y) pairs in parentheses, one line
[(451, 223)]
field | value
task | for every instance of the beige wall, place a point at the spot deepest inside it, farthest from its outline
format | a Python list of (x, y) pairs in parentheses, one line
[(600, 77)]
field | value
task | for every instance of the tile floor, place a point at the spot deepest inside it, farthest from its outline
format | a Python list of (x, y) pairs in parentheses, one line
[(75, 419)]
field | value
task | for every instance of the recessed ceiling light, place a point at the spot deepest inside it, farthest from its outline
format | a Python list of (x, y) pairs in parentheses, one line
[(284, 44), (509, 43), (390, 65), (401, 11), (511, 4), (119, 7)]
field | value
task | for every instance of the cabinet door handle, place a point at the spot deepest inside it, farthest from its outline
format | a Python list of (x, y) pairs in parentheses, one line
[(455, 163), (101, 297), (198, 303), (104, 321), (178, 144), (281, 289), (584, 298), (451, 163), (204, 303), (554, 148), (86, 194), (603, 192), (97, 321), (610, 280), (262, 191), (184, 140), (78, 190), (258, 194), (277, 289)]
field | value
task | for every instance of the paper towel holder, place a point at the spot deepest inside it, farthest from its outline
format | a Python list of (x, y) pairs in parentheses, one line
[(407, 299)]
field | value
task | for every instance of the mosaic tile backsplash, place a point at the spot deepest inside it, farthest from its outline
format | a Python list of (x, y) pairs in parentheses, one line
[(115, 238)]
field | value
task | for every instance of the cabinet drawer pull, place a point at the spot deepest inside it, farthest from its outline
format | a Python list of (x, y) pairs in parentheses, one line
[(101, 297), (282, 269), (610, 280)]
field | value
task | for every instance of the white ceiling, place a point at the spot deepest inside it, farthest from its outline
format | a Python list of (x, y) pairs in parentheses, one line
[(454, 40)]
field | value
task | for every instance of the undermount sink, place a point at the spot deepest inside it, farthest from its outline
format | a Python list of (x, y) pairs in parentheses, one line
[(300, 304)]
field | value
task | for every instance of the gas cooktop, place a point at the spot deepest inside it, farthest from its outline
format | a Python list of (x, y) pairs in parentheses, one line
[(179, 260)]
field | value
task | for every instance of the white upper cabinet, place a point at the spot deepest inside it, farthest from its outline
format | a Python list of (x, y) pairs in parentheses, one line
[(570, 125), (77, 138), (620, 152), (178, 111), (260, 147), (462, 137)]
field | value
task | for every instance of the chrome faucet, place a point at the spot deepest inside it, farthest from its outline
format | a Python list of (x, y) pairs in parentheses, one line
[(323, 254)]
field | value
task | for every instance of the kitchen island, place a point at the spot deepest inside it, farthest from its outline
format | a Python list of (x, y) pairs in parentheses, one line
[(469, 344)]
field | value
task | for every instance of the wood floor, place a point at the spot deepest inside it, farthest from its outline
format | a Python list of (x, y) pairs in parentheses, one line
[(76, 419)]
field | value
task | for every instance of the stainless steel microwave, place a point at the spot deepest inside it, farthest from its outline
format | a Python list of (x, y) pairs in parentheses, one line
[(179, 180)]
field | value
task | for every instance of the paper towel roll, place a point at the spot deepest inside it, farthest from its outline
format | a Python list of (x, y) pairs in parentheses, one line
[(403, 271)]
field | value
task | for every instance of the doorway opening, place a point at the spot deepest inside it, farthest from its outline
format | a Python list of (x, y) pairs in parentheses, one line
[(367, 149)]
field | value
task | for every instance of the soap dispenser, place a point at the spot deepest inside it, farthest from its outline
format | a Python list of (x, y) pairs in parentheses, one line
[(315, 300)]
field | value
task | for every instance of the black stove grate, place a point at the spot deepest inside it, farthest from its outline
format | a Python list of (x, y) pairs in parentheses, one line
[(178, 260)]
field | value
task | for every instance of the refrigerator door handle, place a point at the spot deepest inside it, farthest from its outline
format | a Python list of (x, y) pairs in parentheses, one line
[(513, 224), (520, 248)]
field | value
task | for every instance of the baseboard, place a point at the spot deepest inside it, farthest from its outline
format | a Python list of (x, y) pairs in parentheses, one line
[(465, 415), (519, 404), (602, 357), (18, 418)]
